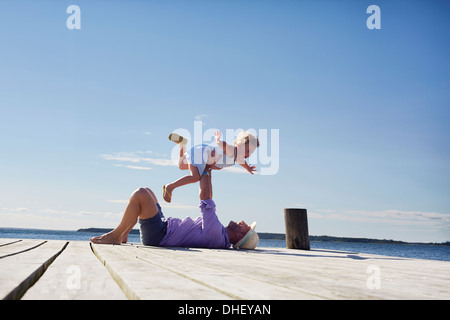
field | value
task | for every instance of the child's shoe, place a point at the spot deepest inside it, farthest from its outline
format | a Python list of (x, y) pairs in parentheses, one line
[(178, 139)]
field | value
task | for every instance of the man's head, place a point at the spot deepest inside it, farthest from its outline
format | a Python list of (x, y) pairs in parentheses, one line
[(242, 235), (237, 230)]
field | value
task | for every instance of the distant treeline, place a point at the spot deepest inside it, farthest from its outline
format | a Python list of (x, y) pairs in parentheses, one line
[(282, 236)]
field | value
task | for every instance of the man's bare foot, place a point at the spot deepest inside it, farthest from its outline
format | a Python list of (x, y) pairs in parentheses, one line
[(107, 238), (125, 238)]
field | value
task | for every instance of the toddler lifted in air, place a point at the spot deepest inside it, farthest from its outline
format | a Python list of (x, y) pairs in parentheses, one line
[(202, 158)]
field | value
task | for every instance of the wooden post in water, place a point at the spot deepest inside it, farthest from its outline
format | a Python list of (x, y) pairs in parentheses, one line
[(297, 236)]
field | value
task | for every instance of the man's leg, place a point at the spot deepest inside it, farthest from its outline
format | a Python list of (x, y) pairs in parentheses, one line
[(142, 204)]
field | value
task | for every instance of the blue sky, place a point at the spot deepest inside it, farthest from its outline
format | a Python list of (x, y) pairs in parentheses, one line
[(362, 114)]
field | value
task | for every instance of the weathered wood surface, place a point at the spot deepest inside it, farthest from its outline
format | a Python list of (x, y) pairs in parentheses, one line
[(79, 270), (76, 274), (23, 262)]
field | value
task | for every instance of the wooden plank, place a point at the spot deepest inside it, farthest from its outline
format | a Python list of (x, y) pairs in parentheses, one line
[(76, 274), (17, 247), (5, 242), (348, 274), (254, 278), (190, 273), (140, 279), (211, 269), (20, 271), (324, 274)]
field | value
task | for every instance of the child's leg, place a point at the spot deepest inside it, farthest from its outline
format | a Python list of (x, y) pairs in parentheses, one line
[(183, 164), (192, 178)]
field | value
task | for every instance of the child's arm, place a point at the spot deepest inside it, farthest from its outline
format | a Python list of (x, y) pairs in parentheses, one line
[(247, 167), (227, 149)]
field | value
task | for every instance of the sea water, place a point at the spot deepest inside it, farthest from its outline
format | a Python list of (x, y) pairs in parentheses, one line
[(414, 251), (431, 252)]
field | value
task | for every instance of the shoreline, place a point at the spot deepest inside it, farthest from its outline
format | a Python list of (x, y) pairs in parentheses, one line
[(321, 238), (265, 236)]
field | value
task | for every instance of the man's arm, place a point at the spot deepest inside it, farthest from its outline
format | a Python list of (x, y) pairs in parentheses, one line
[(211, 225), (205, 186)]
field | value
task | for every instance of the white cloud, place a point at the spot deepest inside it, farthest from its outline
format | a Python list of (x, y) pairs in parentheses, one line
[(20, 209), (178, 206), (49, 218), (164, 205), (237, 169), (201, 116), (137, 157), (391, 216), (141, 157), (119, 201), (132, 167)]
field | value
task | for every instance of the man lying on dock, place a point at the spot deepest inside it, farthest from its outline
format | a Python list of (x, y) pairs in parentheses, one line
[(205, 231)]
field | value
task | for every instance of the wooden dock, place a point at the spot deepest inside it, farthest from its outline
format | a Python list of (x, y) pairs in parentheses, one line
[(40, 269)]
